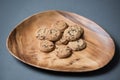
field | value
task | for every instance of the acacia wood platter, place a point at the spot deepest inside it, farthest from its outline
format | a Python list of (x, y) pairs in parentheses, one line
[(24, 46)]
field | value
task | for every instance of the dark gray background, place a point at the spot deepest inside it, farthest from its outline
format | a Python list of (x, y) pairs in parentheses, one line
[(106, 13)]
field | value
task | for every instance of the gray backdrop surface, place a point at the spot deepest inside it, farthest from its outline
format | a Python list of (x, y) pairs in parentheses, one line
[(106, 13)]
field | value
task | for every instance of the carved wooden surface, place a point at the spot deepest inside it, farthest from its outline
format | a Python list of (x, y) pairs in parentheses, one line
[(23, 44)]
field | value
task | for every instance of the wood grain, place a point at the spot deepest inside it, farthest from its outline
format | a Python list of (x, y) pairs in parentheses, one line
[(23, 44)]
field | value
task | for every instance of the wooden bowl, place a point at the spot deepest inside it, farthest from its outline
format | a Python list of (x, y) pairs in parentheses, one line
[(24, 46)]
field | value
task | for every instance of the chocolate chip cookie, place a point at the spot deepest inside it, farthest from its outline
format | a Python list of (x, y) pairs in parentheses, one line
[(63, 40), (60, 25), (77, 45), (46, 46), (53, 34), (63, 51), (72, 33), (41, 33), (79, 28)]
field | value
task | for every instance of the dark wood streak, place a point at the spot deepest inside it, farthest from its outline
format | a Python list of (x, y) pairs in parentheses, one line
[(72, 62)]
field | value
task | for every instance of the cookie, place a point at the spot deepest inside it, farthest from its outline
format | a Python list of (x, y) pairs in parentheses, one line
[(63, 51), (46, 46), (77, 45), (63, 40), (41, 33), (79, 28), (53, 34), (60, 25), (72, 33)]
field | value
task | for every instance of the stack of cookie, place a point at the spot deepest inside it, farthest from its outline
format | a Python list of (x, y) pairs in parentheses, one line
[(61, 38)]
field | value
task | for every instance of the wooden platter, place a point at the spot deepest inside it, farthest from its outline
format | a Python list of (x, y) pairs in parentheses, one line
[(24, 46)]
